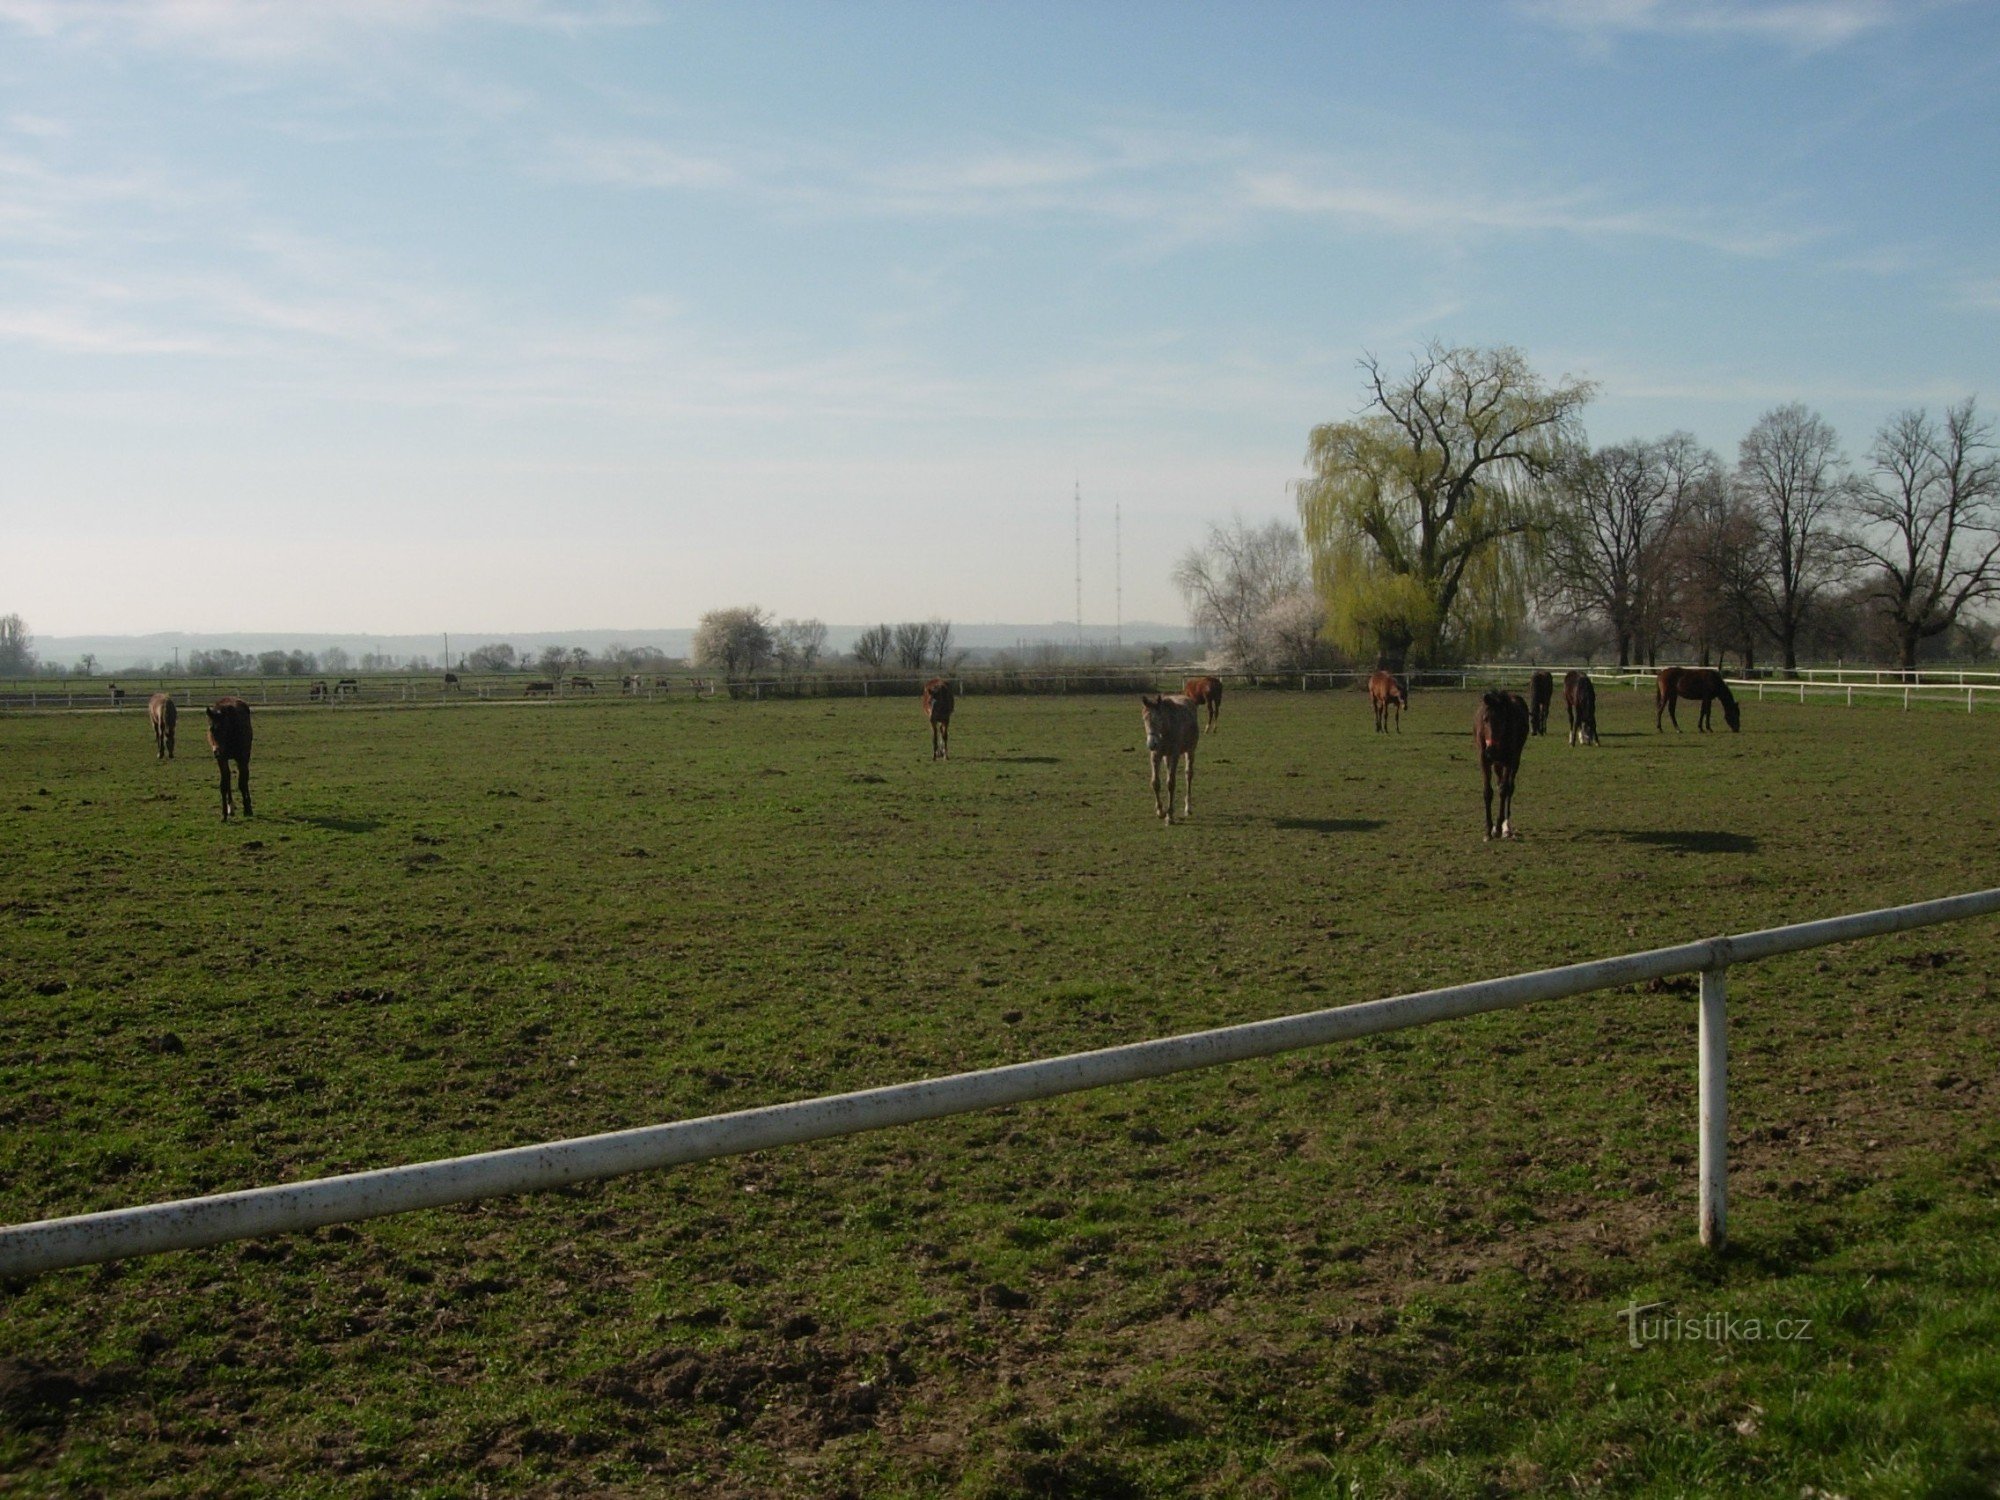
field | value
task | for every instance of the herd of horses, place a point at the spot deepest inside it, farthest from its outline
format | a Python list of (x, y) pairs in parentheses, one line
[(1502, 725)]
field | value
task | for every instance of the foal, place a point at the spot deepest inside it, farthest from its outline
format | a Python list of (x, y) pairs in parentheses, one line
[(229, 738), (160, 709), (1499, 732), (1541, 693), (1386, 688), (1199, 690), (1173, 728), (1580, 699), (939, 700)]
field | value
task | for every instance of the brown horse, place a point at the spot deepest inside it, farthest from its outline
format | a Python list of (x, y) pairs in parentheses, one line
[(319, 692), (1701, 684), (939, 701), (160, 709), (1499, 732), (1541, 693), (1580, 699), (229, 738), (1173, 728), (1384, 689), (1199, 690), (540, 690)]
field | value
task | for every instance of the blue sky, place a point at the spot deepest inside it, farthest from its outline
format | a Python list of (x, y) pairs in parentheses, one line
[(487, 315)]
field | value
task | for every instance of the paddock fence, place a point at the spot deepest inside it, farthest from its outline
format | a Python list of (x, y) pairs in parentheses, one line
[(192, 1223)]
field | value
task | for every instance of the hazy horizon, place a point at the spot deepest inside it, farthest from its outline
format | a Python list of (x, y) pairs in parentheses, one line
[(465, 309)]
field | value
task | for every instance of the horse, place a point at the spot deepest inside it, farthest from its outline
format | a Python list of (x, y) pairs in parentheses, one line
[(451, 681), (1704, 685), (1499, 732), (541, 690), (1386, 688), (1541, 692), (160, 709), (1580, 699), (939, 700), (582, 685), (1173, 728), (318, 693), (229, 738), (1206, 690), (117, 695), (347, 687)]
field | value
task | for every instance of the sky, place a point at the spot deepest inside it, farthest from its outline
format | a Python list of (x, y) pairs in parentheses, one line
[(489, 315)]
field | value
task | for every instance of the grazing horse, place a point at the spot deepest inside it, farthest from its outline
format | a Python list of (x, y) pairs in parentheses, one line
[(160, 709), (451, 681), (1704, 685), (1173, 727), (1580, 699), (1199, 690), (939, 701), (229, 738), (318, 693), (1499, 731), (347, 687), (541, 690), (582, 685), (1386, 688), (1541, 693)]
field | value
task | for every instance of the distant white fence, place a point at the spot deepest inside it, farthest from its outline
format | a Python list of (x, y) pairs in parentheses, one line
[(1849, 685), (85, 1239)]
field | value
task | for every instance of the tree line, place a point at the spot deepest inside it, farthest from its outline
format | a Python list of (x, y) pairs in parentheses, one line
[(1463, 512)]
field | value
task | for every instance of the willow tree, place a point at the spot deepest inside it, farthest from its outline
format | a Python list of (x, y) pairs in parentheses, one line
[(1423, 514)]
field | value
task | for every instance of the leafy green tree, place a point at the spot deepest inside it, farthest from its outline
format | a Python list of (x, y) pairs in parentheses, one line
[(1423, 514)]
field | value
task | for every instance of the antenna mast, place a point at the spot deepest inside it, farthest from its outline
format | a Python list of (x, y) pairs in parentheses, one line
[(1079, 565), (1118, 572)]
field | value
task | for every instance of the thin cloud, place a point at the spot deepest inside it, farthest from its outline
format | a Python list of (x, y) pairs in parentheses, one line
[(1796, 25)]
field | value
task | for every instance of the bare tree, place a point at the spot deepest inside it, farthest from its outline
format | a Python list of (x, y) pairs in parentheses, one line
[(1929, 538), (1717, 558), (738, 641), (799, 644), (17, 647), (940, 650), (1232, 579), (912, 645), (1794, 481), (873, 646)]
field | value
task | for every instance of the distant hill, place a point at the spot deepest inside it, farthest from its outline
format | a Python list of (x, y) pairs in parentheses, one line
[(124, 653)]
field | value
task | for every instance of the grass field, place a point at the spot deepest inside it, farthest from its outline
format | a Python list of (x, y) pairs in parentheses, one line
[(1391, 1268)]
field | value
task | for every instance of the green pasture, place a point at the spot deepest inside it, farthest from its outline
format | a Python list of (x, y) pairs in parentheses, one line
[(1390, 1268)]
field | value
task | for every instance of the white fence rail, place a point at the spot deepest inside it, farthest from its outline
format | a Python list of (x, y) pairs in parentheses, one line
[(86, 1239)]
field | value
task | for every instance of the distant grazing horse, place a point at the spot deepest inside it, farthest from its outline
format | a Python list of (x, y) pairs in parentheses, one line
[(1704, 685), (1173, 728), (1541, 693), (117, 695), (451, 681), (1580, 698), (1199, 690), (1499, 731), (347, 687), (541, 690), (318, 693), (939, 701), (1385, 689), (229, 738), (582, 685), (160, 709)]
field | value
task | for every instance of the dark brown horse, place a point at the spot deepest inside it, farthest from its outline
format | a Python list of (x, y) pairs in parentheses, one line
[(1173, 729), (1580, 699), (1385, 689), (1208, 690), (939, 700), (1701, 684), (1499, 731), (1541, 693), (160, 709), (229, 738)]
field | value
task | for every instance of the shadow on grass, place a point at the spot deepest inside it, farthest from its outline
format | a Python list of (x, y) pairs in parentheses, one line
[(1328, 825), (340, 825), (1693, 842)]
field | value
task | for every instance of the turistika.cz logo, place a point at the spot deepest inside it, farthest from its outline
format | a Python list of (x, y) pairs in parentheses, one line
[(1649, 1324)]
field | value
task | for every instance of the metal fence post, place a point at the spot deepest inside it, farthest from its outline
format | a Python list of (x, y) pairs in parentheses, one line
[(1713, 1043)]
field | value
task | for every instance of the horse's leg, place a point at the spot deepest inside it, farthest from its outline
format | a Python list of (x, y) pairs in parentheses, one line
[(1506, 802), (1486, 776), (1701, 719), (1166, 812), (243, 784), (222, 769), (944, 737)]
